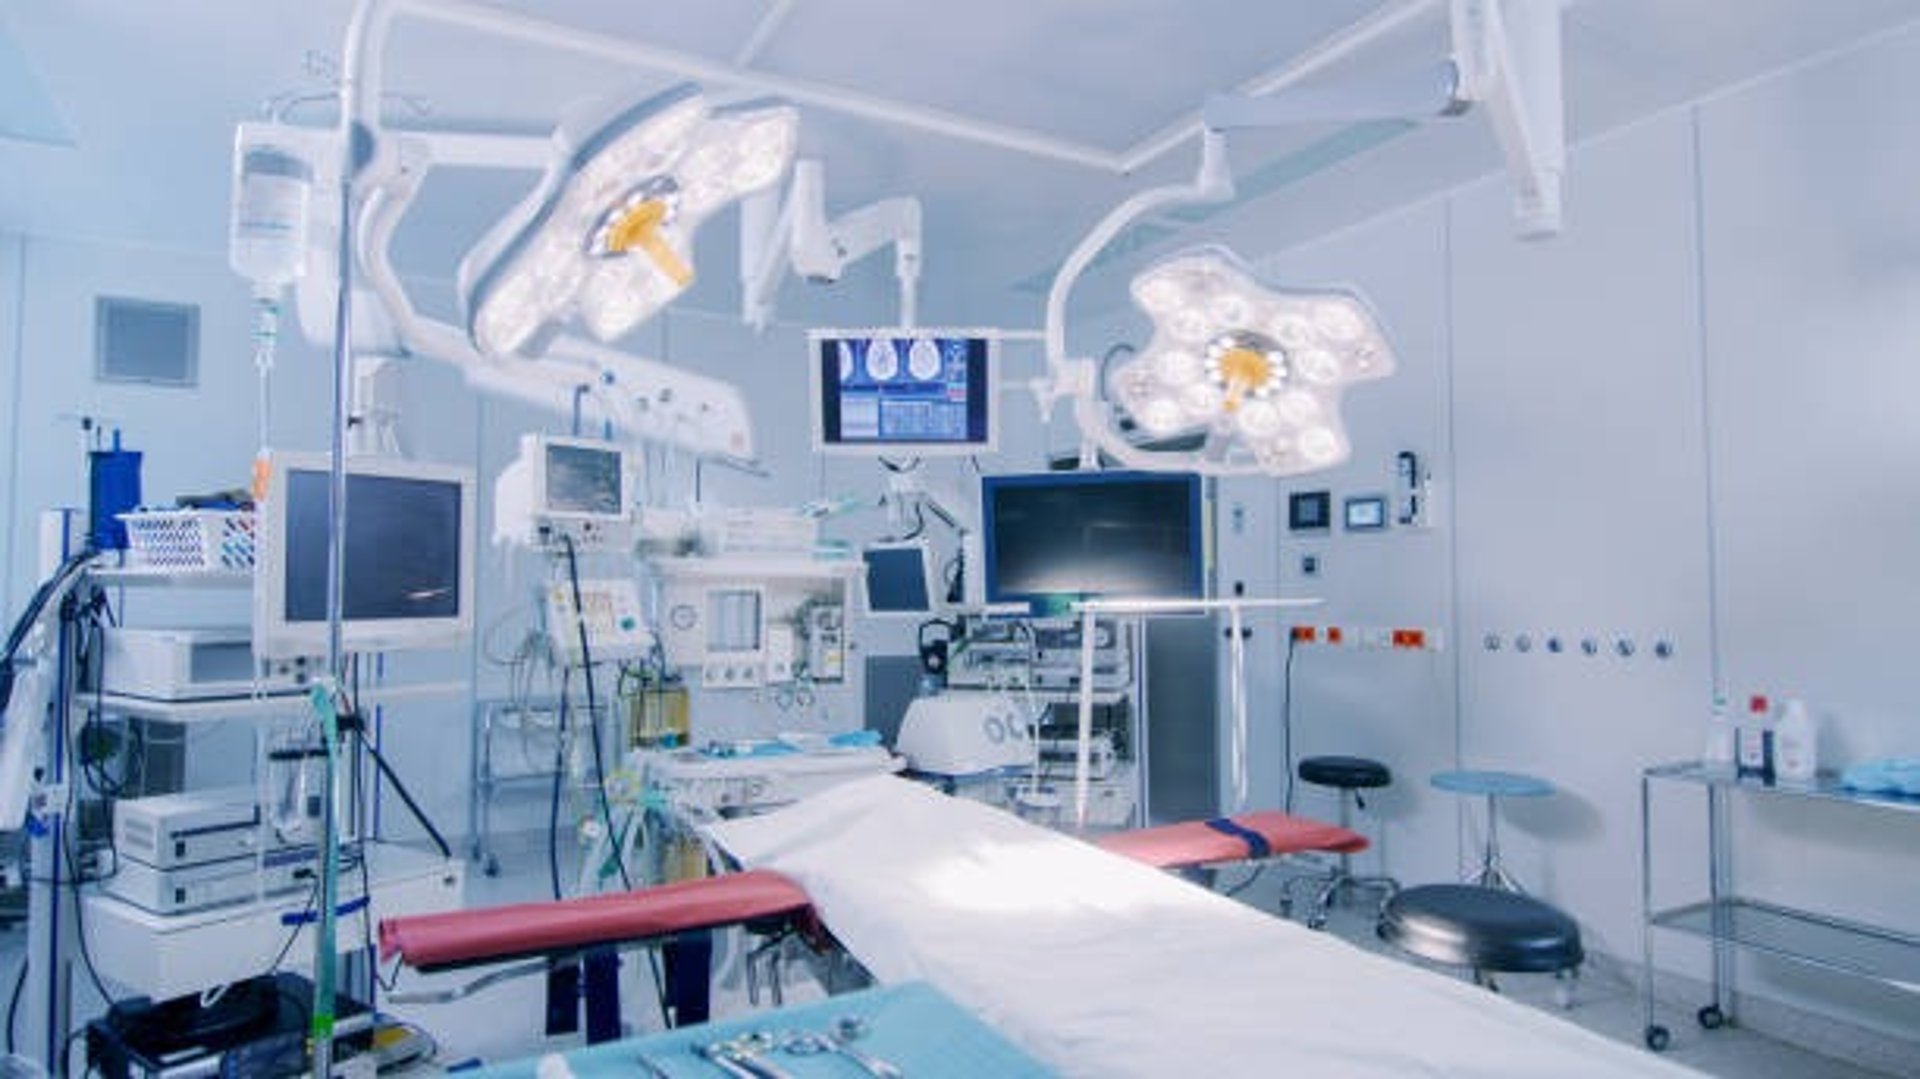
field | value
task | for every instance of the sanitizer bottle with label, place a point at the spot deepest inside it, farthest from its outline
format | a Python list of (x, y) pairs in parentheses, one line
[(1754, 749), (1796, 739)]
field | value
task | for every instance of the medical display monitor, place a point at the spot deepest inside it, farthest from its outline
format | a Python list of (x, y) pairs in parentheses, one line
[(579, 478), (899, 579), (906, 392), (1059, 536), (408, 573)]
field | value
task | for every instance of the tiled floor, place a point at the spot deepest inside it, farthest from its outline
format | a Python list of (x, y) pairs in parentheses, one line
[(503, 1022)]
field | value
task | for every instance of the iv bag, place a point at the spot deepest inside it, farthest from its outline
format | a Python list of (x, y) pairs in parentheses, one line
[(272, 184)]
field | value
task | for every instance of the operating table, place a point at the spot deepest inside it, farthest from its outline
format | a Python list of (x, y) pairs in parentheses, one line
[(432, 942)]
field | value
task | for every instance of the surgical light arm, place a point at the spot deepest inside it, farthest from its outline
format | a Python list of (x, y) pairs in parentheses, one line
[(1078, 378), (776, 232), (1506, 59)]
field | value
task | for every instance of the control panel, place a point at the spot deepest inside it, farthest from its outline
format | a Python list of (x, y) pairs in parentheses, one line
[(610, 608), (826, 644)]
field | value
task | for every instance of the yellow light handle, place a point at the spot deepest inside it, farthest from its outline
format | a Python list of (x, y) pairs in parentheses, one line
[(1241, 369), (640, 228)]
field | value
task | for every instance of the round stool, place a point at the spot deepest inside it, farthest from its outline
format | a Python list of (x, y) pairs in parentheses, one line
[(1487, 929), (1493, 786), (1349, 776)]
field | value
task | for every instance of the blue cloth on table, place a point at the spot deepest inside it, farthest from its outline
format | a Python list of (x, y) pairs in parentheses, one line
[(1892, 776), (913, 1026)]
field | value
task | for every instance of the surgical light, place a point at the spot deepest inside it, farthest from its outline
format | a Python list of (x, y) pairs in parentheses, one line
[(1258, 370), (607, 236)]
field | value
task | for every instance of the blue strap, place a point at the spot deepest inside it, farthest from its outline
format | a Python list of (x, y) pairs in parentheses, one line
[(309, 916), (1257, 846)]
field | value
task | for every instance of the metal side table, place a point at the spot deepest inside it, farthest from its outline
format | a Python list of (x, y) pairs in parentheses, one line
[(1730, 921)]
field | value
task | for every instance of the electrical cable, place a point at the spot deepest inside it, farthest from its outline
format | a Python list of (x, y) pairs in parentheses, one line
[(69, 616), (559, 774), (1286, 722), (52, 588), (380, 761), (307, 915), (593, 718), (13, 1007)]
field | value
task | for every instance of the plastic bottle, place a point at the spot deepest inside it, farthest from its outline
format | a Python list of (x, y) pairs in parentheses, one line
[(1754, 744), (1796, 741), (1718, 756)]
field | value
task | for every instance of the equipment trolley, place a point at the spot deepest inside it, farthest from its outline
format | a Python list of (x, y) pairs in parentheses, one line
[(1730, 921)]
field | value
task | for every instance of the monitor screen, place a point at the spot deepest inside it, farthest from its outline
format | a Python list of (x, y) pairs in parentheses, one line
[(1076, 535), (898, 581), (583, 479), (407, 550), (904, 391)]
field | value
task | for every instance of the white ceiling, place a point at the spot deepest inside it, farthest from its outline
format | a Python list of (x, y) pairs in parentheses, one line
[(116, 117)]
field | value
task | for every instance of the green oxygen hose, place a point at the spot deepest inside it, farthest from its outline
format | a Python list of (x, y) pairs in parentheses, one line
[(324, 954)]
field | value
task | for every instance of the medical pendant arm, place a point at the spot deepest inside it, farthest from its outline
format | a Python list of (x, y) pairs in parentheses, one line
[(798, 233), (1506, 59), (1510, 58)]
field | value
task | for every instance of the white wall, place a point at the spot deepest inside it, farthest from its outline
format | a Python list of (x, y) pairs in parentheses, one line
[(1684, 420), (12, 292)]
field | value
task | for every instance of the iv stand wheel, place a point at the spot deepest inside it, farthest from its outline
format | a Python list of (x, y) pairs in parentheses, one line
[(1711, 1017), (1658, 1039)]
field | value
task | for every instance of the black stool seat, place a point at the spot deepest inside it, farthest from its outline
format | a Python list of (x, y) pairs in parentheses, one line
[(1347, 773), (1484, 928)]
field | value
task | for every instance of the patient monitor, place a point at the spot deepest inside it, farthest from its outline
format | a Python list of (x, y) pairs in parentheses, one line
[(565, 491)]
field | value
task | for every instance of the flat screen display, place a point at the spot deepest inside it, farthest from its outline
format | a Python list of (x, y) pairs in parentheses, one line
[(897, 579), (583, 480), (902, 391), (402, 548), (1080, 535)]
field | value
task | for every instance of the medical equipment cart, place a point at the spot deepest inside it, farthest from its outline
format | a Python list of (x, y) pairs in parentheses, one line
[(514, 745), (1732, 921)]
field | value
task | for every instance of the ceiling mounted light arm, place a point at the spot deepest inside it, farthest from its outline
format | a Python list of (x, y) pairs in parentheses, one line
[(1511, 60), (1212, 182), (1429, 92), (820, 249), (1506, 59)]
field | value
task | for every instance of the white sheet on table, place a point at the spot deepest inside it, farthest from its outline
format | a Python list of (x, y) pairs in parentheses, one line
[(1102, 966)]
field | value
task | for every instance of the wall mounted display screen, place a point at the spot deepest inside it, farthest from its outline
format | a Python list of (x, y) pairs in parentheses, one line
[(1113, 535), (909, 392)]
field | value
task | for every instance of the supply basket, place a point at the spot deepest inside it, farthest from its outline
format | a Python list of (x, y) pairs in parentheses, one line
[(190, 541)]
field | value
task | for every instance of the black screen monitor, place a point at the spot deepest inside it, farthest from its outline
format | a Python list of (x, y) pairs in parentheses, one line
[(1059, 536), (407, 549), (899, 581)]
